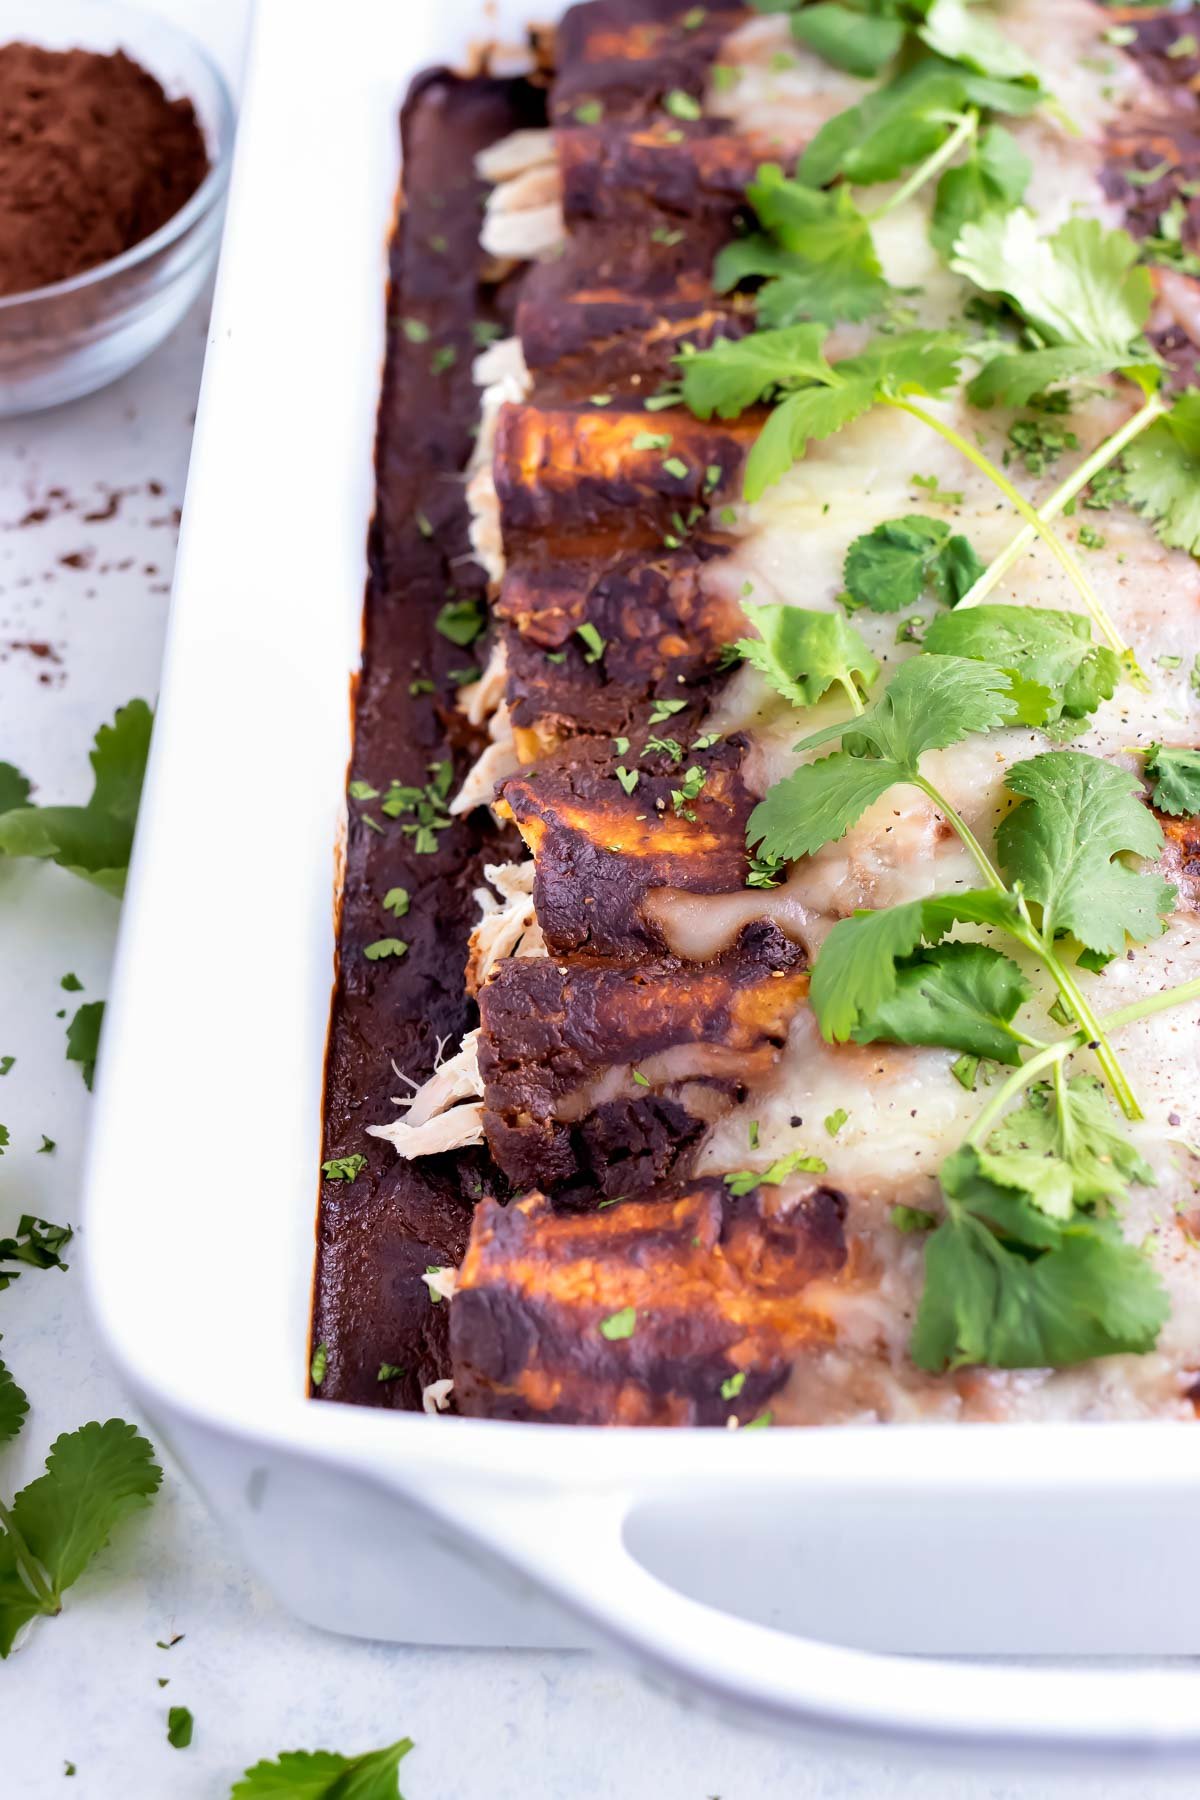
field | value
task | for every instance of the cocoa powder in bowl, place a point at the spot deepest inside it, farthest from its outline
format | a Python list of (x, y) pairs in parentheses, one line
[(93, 159)]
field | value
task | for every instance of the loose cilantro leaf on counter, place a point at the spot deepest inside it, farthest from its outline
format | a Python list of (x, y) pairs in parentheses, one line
[(803, 654), (994, 176), (1076, 817), (324, 1775), (38, 1244), (1175, 775), (92, 841), (891, 566), (83, 1039), (815, 248), (54, 1527), (931, 703), (955, 996), (1162, 474), (180, 1725), (71, 984), (1059, 676), (15, 789), (13, 1406)]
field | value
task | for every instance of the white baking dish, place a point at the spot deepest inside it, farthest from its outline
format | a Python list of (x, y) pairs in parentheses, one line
[(700, 1555)]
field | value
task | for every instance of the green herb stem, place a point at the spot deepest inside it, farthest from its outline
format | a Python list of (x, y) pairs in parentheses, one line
[(1108, 451), (27, 1563), (1094, 1032), (853, 695), (1054, 1055), (1033, 520), (966, 127), (1051, 1056), (980, 856)]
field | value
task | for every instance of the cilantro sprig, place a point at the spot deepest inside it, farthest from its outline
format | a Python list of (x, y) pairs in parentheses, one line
[(1174, 776), (55, 1525), (93, 841), (1059, 849), (813, 399)]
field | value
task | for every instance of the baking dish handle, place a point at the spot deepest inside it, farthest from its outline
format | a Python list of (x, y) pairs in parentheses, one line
[(578, 1554)]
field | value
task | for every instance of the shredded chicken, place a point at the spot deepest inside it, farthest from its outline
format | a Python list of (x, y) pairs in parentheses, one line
[(482, 698), (502, 374), (524, 217), (436, 1121), (507, 927), (490, 766)]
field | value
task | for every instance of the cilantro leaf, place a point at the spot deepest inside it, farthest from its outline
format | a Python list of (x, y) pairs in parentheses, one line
[(1013, 378), (462, 621), (995, 175), (1081, 286), (816, 398), (818, 253), (92, 841), (819, 802), (38, 1244), (1077, 815), (13, 1406), (856, 973), (1060, 675), (1087, 1139), (968, 38), (1176, 778), (324, 1775), (890, 567), (94, 1477), (848, 40), (15, 789), (180, 1725), (815, 412), (1163, 473), (803, 654), (1088, 1294), (735, 373), (957, 997), (932, 702), (891, 129), (83, 1039)]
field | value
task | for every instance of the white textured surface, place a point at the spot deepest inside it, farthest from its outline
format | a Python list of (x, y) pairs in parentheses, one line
[(488, 1725)]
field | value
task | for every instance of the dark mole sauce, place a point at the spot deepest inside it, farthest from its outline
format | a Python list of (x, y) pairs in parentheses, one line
[(378, 1234)]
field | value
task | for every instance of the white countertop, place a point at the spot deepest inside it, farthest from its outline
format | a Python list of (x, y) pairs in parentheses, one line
[(83, 1688)]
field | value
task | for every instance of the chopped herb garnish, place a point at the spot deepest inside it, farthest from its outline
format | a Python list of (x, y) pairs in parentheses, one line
[(396, 901), (384, 947), (319, 1364), (389, 1371), (415, 330), (732, 1386), (619, 1325), (681, 105), (462, 621), (835, 1121), (593, 643), (180, 1725), (344, 1168), (589, 112)]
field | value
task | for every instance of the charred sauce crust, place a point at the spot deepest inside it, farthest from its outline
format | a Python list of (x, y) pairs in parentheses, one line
[(591, 526)]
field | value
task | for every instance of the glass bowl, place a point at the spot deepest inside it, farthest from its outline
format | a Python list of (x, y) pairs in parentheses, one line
[(72, 337)]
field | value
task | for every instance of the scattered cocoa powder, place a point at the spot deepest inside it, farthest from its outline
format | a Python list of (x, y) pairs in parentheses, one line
[(93, 158)]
